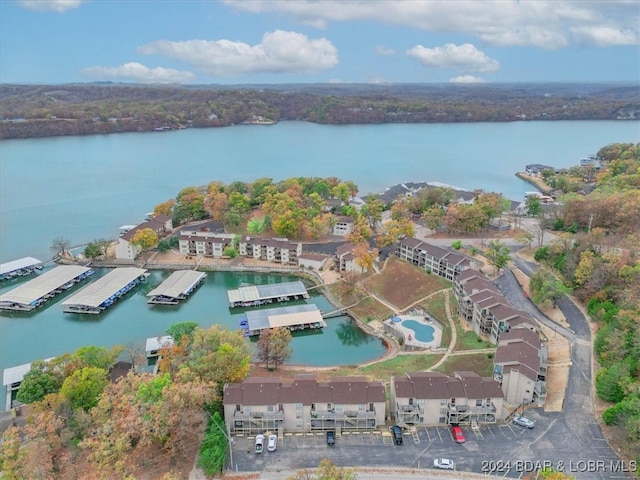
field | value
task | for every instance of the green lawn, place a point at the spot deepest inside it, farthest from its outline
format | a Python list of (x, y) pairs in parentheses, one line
[(395, 366), (479, 363)]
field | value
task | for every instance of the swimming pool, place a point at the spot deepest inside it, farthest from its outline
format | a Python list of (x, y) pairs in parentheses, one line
[(423, 333)]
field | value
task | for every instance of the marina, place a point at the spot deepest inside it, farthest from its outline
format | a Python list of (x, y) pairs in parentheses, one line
[(104, 292), (178, 287), (295, 318), (20, 267), (256, 295), (36, 292)]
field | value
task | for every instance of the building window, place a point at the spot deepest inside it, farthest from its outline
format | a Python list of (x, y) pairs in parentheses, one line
[(443, 402), (339, 408), (362, 407), (478, 403), (442, 420), (270, 408), (299, 424), (453, 401)]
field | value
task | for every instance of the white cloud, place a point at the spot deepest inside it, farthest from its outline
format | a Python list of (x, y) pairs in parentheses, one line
[(385, 51), (605, 36), (278, 52), (465, 57), (137, 72), (466, 79), (51, 5), (541, 23)]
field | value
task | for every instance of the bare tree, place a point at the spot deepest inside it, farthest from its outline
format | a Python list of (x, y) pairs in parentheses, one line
[(60, 245)]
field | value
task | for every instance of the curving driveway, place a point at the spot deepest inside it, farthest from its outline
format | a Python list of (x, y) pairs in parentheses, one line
[(573, 437)]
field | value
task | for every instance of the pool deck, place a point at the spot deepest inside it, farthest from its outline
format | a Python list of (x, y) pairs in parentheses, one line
[(409, 334)]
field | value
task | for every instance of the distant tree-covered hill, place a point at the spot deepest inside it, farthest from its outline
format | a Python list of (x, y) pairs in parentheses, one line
[(74, 109)]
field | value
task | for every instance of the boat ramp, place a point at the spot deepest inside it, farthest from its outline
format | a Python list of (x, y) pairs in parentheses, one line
[(19, 268), (105, 291), (255, 295), (295, 318), (39, 290), (177, 287)]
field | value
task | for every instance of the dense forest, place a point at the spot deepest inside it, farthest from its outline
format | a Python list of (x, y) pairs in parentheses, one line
[(49, 110)]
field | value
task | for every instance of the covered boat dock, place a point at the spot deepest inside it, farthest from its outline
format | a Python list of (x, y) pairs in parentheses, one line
[(19, 267), (105, 291), (255, 295), (12, 378), (295, 318), (39, 290), (154, 344), (177, 287)]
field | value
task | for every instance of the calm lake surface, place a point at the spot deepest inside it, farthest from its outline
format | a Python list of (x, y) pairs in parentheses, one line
[(84, 188)]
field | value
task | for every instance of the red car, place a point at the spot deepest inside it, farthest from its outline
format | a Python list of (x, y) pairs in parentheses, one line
[(458, 436)]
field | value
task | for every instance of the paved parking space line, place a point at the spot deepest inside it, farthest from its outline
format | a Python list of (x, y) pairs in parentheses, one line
[(438, 431), (428, 436), (502, 427), (491, 432)]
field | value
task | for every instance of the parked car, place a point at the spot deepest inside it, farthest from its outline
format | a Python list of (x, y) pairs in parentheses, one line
[(444, 464), (458, 436), (523, 421), (259, 443), (396, 432), (272, 443), (331, 438)]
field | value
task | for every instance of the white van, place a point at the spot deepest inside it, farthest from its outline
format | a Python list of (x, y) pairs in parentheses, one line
[(259, 443)]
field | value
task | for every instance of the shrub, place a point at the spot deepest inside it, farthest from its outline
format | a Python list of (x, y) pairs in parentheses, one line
[(457, 244), (541, 254)]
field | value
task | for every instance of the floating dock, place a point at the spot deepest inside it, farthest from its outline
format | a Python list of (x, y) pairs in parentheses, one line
[(12, 378), (20, 267), (295, 318), (39, 290), (105, 291), (177, 287), (255, 295)]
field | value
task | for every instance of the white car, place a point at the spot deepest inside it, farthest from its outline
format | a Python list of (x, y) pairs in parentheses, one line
[(272, 443), (444, 464), (259, 443), (523, 421)]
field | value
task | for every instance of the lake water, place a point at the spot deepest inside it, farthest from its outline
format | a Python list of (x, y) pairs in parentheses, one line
[(84, 188)]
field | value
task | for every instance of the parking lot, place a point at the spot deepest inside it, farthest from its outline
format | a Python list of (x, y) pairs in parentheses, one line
[(505, 450)]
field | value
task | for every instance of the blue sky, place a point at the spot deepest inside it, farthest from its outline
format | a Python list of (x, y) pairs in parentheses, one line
[(308, 41)]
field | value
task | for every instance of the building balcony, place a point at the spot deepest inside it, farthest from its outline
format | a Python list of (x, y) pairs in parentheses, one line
[(279, 415), (410, 408), (347, 414), (472, 409)]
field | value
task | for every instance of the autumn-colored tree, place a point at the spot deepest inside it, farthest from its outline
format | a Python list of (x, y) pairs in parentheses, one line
[(274, 346), (146, 238), (360, 233), (214, 356), (182, 332), (189, 205), (12, 457), (164, 208), (395, 230), (216, 204), (364, 256)]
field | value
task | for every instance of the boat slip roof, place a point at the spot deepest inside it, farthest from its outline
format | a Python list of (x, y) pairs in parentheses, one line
[(43, 284), (156, 343), (177, 284), (98, 292), (18, 264), (259, 292), (284, 317), (16, 374)]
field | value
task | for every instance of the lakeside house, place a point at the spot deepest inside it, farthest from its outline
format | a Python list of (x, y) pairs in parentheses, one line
[(345, 259), (520, 366), (125, 250), (536, 169), (274, 250), (433, 259), (305, 404), (433, 398), (343, 226)]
